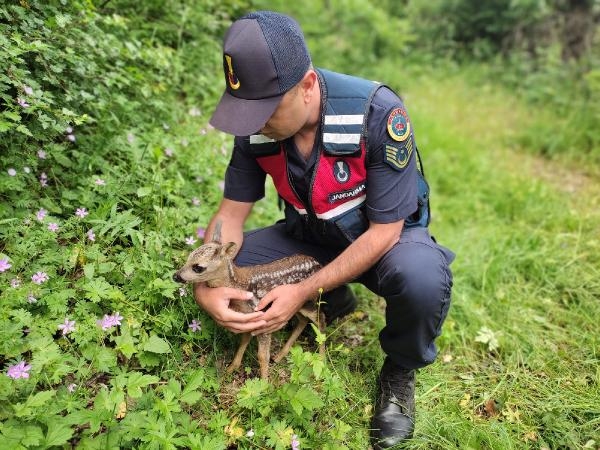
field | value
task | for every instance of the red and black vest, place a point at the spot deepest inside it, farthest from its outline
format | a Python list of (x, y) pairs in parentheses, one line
[(334, 213)]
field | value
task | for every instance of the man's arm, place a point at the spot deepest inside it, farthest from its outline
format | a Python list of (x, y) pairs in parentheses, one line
[(357, 258), (215, 301)]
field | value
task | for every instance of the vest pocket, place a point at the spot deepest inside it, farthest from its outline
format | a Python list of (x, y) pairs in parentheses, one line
[(352, 224)]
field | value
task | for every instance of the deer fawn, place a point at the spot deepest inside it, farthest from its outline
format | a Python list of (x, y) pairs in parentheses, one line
[(213, 264)]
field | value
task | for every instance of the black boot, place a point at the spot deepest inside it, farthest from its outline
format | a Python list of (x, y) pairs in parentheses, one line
[(394, 418), (338, 303)]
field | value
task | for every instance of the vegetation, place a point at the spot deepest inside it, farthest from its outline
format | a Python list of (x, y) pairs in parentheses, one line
[(109, 171)]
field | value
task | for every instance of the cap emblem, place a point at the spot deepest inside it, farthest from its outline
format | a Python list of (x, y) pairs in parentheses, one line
[(233, 81)]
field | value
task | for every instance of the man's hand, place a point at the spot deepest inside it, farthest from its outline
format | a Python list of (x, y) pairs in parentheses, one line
[(285, 300), (215, 301)]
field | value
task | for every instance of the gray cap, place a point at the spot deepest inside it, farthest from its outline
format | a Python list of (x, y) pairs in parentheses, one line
[(264, 56)]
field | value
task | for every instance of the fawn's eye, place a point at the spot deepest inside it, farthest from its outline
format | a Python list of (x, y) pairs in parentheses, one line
[(198, 268)]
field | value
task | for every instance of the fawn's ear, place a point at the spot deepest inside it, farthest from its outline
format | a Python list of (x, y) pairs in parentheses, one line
[(229, 249)]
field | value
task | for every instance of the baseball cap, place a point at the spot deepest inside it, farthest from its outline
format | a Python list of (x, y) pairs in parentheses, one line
[(264, 56)]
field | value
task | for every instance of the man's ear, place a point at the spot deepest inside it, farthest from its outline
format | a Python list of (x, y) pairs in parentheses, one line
[(308, 83), (229, 249)]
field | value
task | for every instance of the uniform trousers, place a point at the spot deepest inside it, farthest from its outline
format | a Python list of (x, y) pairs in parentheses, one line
[(413, 277)]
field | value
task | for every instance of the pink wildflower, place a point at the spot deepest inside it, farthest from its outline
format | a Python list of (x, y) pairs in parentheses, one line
[(41, 154), (68, 130), (91, 235), (39, 277), (41, 214), (27, 169), (110, 321), (100, 182), (169, 151), (4, 265), (67, 327), (81, 212), (295, 443), (53, 226), (20, 370), (15, 283), (195, 201), (28, 90), (71, 137), (182, 292), (12, 172), (31, 299), (200, 232), (130, 138), (194, 326), (22, 103), (190, 240), (71, 387), (44, 179)]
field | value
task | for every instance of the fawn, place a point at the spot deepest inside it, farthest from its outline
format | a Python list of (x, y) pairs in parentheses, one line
[(213, 264)]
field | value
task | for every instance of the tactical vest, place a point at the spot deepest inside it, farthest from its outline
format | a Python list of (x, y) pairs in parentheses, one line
[(334, 214)]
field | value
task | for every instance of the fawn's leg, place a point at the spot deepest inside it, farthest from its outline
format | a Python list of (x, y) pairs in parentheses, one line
[(264, 354), (302, 321), (237, 359)]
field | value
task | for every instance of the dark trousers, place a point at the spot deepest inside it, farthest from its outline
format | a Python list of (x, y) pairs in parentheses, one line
[(414, 278)]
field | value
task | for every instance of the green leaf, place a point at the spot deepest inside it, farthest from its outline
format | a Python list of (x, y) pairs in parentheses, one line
[(157, 345), (136, 381), (305, 399), (144, 191), (58, 433), (125, 343)]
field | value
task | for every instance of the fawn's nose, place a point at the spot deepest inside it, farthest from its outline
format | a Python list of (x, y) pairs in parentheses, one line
[(177, 278)]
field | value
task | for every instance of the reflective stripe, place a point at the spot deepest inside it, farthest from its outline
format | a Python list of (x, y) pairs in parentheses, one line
[(341, 138), (344, 207), (300, 210), (260, 139), (349, 119)]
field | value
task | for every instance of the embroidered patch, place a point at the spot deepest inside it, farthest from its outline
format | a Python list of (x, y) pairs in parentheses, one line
[(341, 171), (349, 194), (398, 125), (398, 157), (232, 79)]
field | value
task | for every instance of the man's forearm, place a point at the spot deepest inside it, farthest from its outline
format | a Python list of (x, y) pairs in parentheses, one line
[(355, 259)]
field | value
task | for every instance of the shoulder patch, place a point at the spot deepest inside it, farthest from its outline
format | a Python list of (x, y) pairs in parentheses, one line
[(398, 155), (398, 125)]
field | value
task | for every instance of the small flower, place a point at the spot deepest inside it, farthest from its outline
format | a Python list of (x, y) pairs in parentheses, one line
[(27, 90), (14, 283), (31, 299), (68, 130), (41, 154), (110, 321), (12, 172), (81, 212), (39, 277), (190, 240), (200, 232), (203, 131), (27, 169), (20, 370), (182, 292), (41, 214), (195, 201), (67, 327), (53, 226), (100, 182), (184, 142), (194, 325), (250, 433), (91, 235), (71, 387), (44, 179), (199, 179), (295, 443), (194, 111), (222, 185), (165, 126), (71, 137), (130, 138), (169, 151), (22, 103), (4, 265)]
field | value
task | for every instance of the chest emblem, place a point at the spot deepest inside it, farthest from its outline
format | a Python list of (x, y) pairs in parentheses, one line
[(341, 171), (398, 125)]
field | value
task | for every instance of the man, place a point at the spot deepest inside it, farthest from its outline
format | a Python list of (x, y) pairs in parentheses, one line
[(342, 156)]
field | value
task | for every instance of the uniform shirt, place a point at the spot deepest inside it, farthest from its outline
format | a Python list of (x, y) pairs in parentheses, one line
[(391, 193)]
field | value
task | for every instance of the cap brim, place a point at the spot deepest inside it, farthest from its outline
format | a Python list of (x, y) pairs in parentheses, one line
[(242, 117)]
